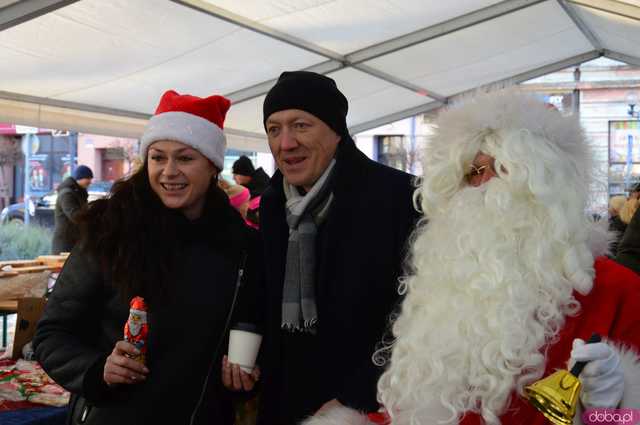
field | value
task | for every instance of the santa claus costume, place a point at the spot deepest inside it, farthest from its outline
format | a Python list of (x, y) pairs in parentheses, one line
[(504, 285)]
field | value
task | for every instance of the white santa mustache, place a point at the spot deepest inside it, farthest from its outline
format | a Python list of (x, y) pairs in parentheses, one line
[(486, 291)]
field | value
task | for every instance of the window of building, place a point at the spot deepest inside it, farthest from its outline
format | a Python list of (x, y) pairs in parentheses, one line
[(50, 157), (400, 152)]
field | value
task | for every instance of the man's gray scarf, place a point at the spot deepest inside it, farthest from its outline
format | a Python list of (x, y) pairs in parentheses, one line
[(304, 215)]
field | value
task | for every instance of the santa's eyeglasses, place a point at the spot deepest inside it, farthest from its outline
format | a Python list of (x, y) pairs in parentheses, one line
[(477, 171)]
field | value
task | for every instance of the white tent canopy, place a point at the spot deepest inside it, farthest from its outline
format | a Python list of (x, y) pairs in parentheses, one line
[(100, 66)]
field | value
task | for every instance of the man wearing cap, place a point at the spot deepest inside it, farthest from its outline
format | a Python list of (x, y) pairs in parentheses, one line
[(72, 196), (628, 250), (335, 225), (244, 173)]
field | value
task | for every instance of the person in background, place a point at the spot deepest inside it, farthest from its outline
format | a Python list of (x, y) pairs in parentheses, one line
[(168, 234), (616, 225), (628, 253), (72, 197), (634, 192), (332, 259), (223, 184), (253, 212), (244, 173), (628, 209), (239, 199)]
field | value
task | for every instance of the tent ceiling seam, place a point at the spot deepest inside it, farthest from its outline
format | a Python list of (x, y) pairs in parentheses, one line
[(440, 30), (622, 57), (613, 7), (354, 59), (505, 82), (225, 15), (579, 22), (251, 92)]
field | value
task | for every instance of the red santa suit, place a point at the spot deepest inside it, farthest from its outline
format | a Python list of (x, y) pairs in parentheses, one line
[(611, 309)]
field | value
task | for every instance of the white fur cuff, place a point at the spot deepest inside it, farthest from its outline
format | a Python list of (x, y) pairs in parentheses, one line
[(338, 416), (630, 361)]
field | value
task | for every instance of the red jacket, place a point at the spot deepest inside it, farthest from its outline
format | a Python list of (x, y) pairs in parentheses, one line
[(612, 309)]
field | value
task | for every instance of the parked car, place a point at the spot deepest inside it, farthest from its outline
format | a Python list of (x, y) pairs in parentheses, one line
[(41, 209)]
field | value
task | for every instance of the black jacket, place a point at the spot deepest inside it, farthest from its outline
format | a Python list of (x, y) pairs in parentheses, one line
[(618, 227), (361, 247), (259, 183), (85, 316), (71, 198), (628, 253)]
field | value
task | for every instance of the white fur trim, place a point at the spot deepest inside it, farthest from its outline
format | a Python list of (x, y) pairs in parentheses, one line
[(192, 130), (600, 238), (577, 419), (340, 415), (630, 361)]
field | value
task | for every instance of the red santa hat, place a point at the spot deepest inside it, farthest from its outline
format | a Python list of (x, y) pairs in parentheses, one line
[(192, 120), (138, 306)]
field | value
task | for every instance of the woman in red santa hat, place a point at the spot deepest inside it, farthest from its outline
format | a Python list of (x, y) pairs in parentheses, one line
[(504, 284), (167, 234)]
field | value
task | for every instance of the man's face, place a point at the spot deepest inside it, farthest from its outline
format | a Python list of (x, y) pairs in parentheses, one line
[(302, 145), (482, 170), (84, 183), (240, 179)]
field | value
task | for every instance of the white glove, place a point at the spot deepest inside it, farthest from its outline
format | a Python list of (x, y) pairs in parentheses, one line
[(602, 378)]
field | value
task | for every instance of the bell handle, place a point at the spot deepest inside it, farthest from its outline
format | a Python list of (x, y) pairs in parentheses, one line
[(576, 370)]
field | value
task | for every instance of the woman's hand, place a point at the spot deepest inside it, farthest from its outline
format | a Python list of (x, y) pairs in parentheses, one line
[(236, 379), (120, 369)]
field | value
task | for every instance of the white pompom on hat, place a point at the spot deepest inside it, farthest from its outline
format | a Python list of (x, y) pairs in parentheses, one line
[(194, 121)]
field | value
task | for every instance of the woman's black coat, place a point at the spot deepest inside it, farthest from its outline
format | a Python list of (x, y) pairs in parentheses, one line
[(85, 316)]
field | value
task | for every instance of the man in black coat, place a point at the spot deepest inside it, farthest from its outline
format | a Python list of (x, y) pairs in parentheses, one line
[(335, 226), (244, 173), (628, 253), (72, 196)]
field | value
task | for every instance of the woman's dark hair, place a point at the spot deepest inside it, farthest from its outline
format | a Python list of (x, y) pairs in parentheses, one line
[(135, 237)]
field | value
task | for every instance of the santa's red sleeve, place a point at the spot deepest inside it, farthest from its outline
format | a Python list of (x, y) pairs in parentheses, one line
[(611, 309), (614, 312)]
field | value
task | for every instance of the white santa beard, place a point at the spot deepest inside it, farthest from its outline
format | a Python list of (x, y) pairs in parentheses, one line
[(134, 327), (487, 293)]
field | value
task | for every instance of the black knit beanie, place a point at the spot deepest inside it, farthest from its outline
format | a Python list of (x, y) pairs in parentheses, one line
[(313, 93), (243, 167)]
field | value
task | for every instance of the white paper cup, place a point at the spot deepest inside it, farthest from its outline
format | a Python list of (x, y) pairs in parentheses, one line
[(244, 344)]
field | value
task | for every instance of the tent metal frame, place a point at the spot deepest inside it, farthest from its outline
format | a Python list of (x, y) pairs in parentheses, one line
[(22, 11)]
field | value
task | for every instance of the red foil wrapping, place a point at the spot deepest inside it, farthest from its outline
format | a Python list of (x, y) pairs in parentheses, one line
[(136, 330)]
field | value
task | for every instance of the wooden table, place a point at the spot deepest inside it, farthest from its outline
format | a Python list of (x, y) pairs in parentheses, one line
[(7, 307)]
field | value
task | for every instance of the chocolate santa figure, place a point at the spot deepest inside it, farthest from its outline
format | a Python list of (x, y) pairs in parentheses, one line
[(136, 329)]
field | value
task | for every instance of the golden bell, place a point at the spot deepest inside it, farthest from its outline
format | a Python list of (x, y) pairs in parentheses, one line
[(556, 396)]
